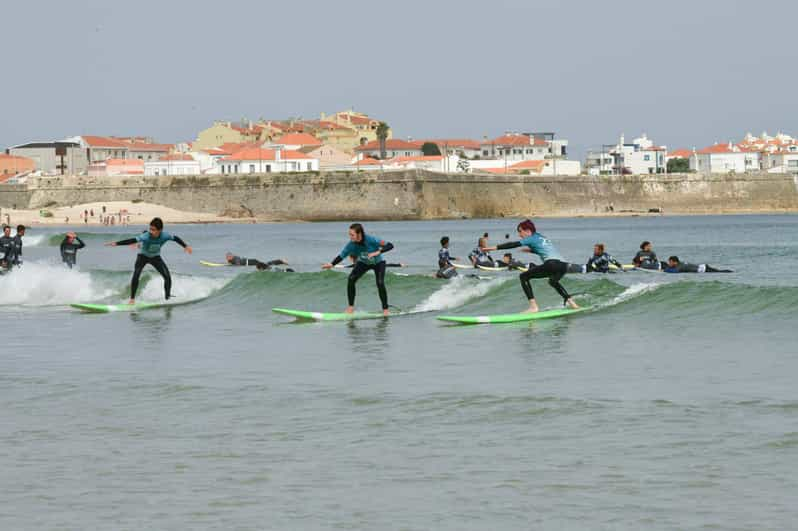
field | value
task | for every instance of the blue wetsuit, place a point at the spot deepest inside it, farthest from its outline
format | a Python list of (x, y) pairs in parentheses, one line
[(553, 266), (150, 253), (360, 251)]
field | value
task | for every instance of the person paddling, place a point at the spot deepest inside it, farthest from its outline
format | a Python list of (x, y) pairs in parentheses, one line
[(150, 253), (553, 267), (368, 251)]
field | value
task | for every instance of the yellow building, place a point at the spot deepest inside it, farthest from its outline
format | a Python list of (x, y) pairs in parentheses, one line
[(234, 133), (348, 129)]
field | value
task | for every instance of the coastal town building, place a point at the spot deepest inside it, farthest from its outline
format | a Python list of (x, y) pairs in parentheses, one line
[(329, 156), (222, 132), (725, 158), (364, 126), (462, 147), (393, 148), (262, 160), (174, 164), (547, 167), (54, 158), (12, 166), (515, 147), (101, 148), (116, 168), (294, 141), (639, 157)]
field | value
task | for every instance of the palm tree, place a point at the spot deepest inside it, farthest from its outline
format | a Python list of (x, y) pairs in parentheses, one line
[(382, 136)]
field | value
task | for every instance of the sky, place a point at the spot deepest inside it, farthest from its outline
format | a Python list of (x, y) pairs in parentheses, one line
[(687, 73)]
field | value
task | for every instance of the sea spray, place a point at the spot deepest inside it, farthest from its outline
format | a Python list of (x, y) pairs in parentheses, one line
[(42, 284), (457, 292)]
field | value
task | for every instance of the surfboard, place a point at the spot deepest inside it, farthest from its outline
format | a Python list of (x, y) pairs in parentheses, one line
[(212, 264), (108, 308), (325, 316), (510, 317), (626, 267), (463, 266), (486, 268)]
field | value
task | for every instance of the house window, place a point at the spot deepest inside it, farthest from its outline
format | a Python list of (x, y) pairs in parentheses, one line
[(646, 157), (268, 168), (310, 166), (484, 152), (236, 168), (251, 168)]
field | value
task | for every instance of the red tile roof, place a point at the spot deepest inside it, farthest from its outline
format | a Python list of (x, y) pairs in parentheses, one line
[(718, 148), (298, 139), (139, 146), (516, 140), (680, 153), (103, 141), (391, 144), (368, 161), (124, 162), (254, 153)]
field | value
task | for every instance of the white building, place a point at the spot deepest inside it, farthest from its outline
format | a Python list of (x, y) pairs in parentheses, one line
[(261, 160), (462, 147), (295, 141), (515, 147), (640, 157), (394, 147), (783, 161), (175, 164), (725, 158)]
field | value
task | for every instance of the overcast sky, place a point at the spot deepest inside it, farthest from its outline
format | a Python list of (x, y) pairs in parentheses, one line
[(688, 73)]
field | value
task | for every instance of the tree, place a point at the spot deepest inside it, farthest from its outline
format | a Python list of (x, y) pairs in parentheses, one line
[(382, 136), (678, 165), (430, 149)]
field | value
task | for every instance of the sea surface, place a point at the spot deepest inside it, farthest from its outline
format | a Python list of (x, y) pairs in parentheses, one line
[(672, 404)]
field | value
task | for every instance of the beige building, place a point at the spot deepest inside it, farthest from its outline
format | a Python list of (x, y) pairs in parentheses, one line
[(329, 156), (233, 133), (363, 126)]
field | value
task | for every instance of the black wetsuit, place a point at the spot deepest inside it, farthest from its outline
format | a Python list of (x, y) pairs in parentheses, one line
[(17, 250), (7, 251), (363, 265), (69, 250), (692, 268), (240, 261), (601, 263), (514, 264), (552, 267), (155, 261), (646, 260)]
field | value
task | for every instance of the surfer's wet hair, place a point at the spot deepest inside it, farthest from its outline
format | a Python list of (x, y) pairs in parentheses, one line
[(600, 247), (644, 244), (526, 225), (444, 241), (157, 223), (674, 259), (358, 228)]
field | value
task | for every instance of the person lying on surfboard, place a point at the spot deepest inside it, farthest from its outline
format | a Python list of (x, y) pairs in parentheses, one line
[(150, 253), (507, 261), (675, 266), (553, 267), (601, 260), (368, 251), (240, 261)]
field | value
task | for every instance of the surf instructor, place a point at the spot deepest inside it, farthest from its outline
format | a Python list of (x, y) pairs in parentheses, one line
[(150, 253), (553, 266), (367, 251)]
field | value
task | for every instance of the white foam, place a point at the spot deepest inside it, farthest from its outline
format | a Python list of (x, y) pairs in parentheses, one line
[(457, 292), (33, 240), (183, 288), (635, 290), (42, 284)]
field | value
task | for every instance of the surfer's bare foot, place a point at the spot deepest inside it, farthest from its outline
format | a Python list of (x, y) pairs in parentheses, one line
[(350, 309), (385, 313), (132, 301), (533, 307), (571, 304)]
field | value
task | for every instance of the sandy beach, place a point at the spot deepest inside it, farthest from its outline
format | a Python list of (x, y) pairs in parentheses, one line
[(121, 212)]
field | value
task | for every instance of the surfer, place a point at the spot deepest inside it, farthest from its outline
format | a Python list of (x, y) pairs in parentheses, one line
[(150, 253), (368, 251), (18, 245), (7, 248), (69, 248), (646, 258), (674, 265), (507, 261), (240, 261), (479, 256), (553, 267), (601, 260), (445, 267)]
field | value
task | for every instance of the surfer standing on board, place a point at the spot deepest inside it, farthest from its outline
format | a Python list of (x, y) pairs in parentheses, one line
[(150, 253), (553, 267), (367, 251)]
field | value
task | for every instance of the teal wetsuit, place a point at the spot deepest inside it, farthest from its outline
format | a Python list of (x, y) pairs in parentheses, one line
[(360, 251)]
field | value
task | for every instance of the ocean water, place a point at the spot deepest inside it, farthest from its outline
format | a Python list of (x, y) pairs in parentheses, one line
[(672, 405)]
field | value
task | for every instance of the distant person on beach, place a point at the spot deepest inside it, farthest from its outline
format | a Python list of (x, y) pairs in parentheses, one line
[(646, 258), (368, 251), (69, 249), (151, 242), (234, 260), (445, 267), (553, 266), (674, 265), (601, 260)]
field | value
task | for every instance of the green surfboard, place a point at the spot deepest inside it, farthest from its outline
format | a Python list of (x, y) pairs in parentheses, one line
[(510, 317), (107, 308), (324, 316)]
